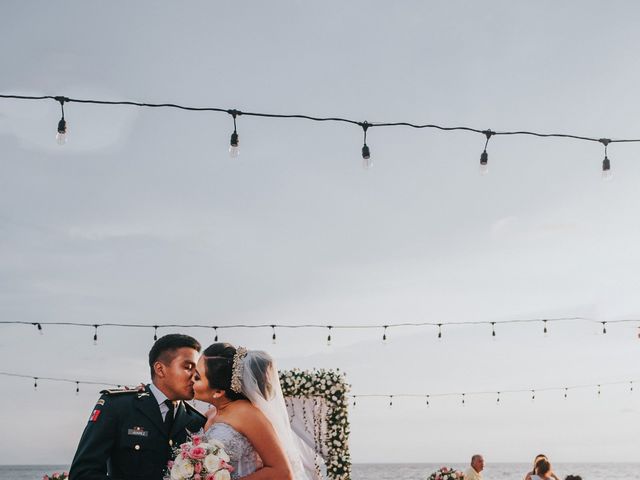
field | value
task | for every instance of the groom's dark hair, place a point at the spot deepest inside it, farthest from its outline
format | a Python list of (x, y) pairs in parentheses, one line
[(164, 348)]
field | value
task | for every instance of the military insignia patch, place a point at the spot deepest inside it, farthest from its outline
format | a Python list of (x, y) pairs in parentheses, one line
[(94, 415)]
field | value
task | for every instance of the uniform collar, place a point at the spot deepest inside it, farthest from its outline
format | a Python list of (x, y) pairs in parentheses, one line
[(159, 396)]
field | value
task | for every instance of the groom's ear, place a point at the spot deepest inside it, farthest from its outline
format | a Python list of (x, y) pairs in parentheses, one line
[(159, 369)]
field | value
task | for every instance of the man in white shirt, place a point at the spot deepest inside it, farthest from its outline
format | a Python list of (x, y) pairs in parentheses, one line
[(477, 465)]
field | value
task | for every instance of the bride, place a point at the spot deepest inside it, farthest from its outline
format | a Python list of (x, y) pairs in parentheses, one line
[(248, 413)]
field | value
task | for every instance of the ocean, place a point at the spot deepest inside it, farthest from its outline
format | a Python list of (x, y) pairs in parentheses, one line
[(405, 471)]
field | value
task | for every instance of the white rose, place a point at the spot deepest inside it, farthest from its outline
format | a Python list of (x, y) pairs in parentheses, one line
[(212, 463), (186, 469), (223, 455), (175, 472), (216, 443), (222, 475)]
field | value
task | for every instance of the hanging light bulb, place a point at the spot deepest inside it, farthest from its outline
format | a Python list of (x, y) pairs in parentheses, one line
[(533, 395), (35, 383), (493, 329), (95, 335), (463, 398), (354, 401), (273, 336), (566, 392), (77, 388), (498, 399), (39, 327), (329, 337), (439, 330), (215, 329), (234, 144), (384, 334), (367, 163), (61, 136), (607, 174), (155, 333), (428, 400), (604, 327), (390, 401), (545, 328), (484, 157)]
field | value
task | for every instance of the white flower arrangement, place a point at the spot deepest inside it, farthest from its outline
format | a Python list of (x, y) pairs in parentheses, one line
[(199, 459), (446, 473), (330, 385)]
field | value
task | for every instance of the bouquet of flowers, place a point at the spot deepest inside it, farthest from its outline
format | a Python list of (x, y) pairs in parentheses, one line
[(446, 473), (199, 458), (57, 476)]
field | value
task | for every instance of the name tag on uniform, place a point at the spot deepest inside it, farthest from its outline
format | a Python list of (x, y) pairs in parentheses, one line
[(138, 432)]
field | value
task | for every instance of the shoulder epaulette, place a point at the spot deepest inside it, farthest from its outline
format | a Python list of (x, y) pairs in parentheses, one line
[(117, 391)]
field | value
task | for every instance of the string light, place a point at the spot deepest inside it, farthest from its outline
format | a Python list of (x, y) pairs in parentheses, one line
[(545, 327), (354, 401), (77, 388), (604, 327), (566, 392), (428, 396), (498, 398), (533, 395), (463, 398), (387, 326), (234, 144), (61, 136), (155, 333), (95, 335), (384, 334), (35, 383), (606, 164), (390, 401), (273, 336), (484, 157), (598, 390), (631, 387), (329, 337), (493, 329), (366, 153)]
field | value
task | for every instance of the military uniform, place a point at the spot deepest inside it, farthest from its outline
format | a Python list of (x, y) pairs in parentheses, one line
[(126, 437)]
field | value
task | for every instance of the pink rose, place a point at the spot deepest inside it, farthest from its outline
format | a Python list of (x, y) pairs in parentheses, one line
[(170, 464), (196, 439), (183, 454), (197, 467), (198, 453), (197, 477)]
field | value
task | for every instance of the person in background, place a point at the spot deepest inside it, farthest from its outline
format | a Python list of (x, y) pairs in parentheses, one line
[(540, 456), (543, 471), (474, 471), (573, 477)]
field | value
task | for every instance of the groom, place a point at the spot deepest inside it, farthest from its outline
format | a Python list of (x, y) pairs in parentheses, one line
[(130, 432)]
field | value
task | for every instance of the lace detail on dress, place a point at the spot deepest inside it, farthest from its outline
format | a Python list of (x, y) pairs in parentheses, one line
[(244, 458)]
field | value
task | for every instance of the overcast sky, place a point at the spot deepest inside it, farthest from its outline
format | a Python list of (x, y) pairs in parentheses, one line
[(143, 218)]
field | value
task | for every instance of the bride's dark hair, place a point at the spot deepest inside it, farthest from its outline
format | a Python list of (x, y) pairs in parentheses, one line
[(219, 370), (218, 361)]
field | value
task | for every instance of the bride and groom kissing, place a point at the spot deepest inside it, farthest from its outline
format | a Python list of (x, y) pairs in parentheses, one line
[(131, 433)]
